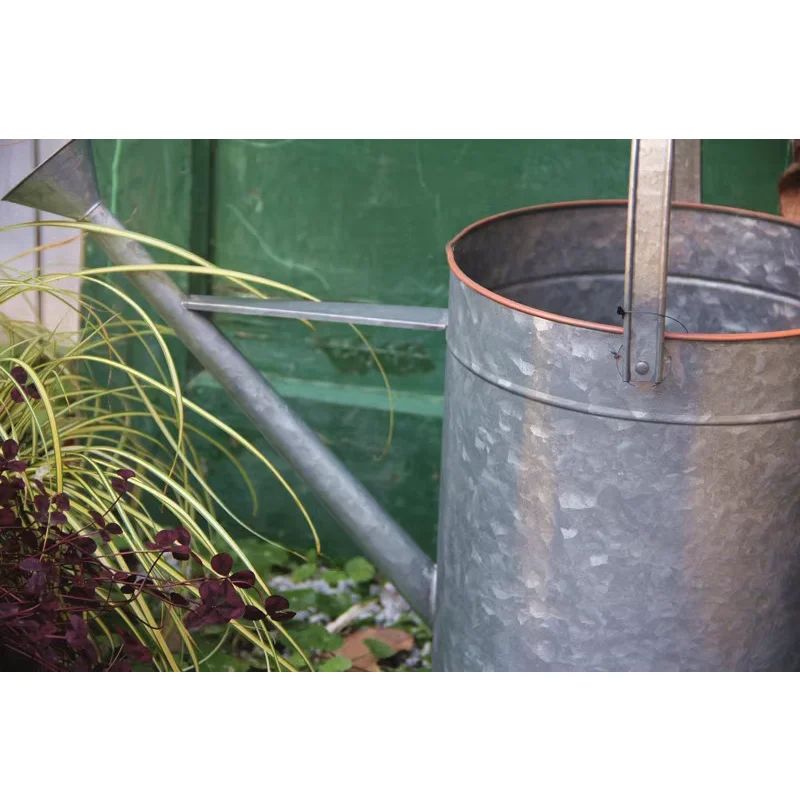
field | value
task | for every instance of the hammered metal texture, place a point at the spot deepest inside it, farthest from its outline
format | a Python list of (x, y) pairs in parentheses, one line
[(588, 524)]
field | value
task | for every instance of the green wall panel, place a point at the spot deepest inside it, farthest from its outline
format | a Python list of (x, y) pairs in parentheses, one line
[(406, 482), (362, 220), (368, 220), (147, 183), (151, 186), (743, 173)]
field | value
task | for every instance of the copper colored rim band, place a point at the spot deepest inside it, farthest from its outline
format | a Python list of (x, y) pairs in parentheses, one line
[(596, 326)]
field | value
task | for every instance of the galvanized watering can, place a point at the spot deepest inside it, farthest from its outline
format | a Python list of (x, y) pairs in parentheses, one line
[(620, 474)]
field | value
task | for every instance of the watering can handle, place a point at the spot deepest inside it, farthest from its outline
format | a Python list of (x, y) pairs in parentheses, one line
[(647, 259), (662, 170)]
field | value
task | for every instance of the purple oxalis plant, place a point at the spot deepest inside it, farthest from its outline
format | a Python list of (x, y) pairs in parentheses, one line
[(55, 581)]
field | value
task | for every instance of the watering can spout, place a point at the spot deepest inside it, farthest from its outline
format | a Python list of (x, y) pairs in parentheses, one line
[(66, 185)]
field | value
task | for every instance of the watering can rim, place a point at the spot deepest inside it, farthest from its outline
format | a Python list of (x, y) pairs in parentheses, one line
[(597, 326)]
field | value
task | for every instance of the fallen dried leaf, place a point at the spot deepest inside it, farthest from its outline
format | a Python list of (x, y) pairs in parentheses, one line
[(789, 188), (358, 652)]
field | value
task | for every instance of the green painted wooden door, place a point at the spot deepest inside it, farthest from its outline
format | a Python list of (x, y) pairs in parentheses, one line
[(365, 220)]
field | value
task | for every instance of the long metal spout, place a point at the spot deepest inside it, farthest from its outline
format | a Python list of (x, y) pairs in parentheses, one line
[(65, 184)]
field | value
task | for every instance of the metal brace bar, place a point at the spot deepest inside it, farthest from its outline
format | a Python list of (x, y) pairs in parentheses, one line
[(647, 259), (413, 317)]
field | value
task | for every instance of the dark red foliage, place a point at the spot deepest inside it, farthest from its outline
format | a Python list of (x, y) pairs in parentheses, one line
[(178, 599), (47, 512), (8, 461), (104, 529), (253, 613), (134, 648), (17, 395), (9, 489), (55, 580), (222, 563), (86, 544), (174, 541), (220, 603), (244, 579), (277, 608), (77, 635), (120, 484)]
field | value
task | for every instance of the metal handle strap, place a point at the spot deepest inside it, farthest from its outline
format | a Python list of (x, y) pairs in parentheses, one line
[(647, 259)]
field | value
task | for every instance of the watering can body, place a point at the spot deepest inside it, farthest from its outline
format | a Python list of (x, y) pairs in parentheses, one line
[(587, 522)]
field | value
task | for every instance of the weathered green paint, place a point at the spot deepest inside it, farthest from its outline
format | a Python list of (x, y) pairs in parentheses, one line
[(201, 221), (743, 173), (407, 486), (368, 220), (148, 185)]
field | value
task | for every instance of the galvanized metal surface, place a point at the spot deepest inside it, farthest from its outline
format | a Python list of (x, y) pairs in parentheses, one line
[(59, 185), (590, 524), (67, 186), (646, 259), (380, 315)]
